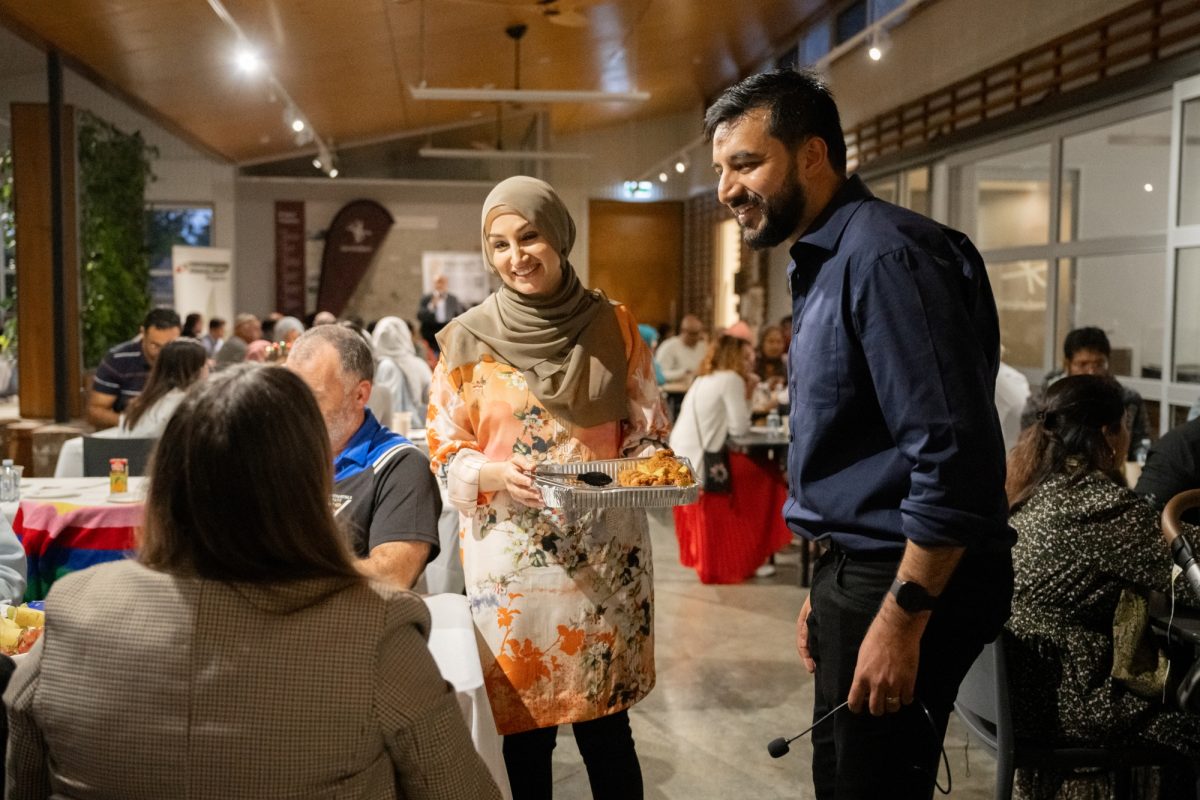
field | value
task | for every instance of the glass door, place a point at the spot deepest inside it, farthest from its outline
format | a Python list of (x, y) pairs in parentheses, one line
[(1181, 377)]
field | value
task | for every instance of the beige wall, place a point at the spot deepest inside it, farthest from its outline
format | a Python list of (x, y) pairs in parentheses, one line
[(947, 40), (428, 217)]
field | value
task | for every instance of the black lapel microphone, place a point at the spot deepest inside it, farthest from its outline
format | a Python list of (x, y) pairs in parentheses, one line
[(780, 747)]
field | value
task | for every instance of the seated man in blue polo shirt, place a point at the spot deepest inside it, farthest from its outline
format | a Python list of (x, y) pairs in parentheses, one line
[(123, 371), (384, 494)]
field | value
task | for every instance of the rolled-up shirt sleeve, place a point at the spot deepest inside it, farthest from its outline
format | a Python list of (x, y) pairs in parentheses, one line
[(935, 388)]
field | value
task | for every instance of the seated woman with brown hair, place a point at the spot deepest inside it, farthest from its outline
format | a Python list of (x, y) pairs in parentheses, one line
[(1083, 538), (180, 364), (240, 654)]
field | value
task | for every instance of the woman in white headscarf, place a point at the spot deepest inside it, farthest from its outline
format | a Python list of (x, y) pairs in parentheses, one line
[(546, 371), (392, 341)]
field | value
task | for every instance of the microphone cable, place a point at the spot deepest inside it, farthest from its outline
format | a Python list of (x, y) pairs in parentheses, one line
[(780, 747)]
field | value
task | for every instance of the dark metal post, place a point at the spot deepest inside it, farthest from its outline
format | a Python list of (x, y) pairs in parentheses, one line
[(54, 79)]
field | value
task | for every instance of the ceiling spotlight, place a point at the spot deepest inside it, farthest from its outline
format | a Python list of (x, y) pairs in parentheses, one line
[(680, 167), (1149, 187), (298, 125), (333, 172), (316, 162), (662, 176), (878, 44), (247, 60)]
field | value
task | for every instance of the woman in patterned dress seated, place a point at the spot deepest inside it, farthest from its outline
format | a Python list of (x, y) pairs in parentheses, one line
[(545, 371), (1083, 538)]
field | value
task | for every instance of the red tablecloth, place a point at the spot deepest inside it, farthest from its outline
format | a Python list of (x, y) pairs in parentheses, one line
[(63, 537), (725, 537)]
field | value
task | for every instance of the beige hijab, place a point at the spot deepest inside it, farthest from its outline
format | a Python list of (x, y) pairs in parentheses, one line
[(567, 344)]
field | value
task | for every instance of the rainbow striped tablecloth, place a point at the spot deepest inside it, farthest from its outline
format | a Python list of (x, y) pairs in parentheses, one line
[(66, 527)]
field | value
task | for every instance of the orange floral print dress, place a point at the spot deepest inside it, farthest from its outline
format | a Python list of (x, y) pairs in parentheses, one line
[(565, 605)]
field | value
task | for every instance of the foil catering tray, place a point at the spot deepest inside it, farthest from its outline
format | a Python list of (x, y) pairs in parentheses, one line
[(560, 490)]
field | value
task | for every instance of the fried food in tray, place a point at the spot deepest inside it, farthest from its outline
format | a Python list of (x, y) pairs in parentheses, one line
[(661, 469)]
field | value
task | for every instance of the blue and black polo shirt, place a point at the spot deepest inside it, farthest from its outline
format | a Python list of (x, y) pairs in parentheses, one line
[(122, 373), (384, 491)]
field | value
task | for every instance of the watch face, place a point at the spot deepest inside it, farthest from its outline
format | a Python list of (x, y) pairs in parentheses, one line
[(912, 597)]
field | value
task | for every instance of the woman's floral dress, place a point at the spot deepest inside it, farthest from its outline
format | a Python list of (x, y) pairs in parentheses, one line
[(565, 605)]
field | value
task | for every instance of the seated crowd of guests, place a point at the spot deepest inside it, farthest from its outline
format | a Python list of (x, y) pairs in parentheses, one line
[(280, 667), (1089, 551), (228, 461), (403, 363)]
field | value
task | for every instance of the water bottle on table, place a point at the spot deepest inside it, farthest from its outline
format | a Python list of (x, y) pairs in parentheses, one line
[(8, 482), (774, 423)]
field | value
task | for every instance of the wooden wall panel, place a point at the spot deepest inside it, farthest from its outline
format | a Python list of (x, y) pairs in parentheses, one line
[(35, 291), (635, 254)]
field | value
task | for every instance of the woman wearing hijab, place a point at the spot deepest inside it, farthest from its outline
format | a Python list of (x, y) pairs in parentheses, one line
[(392, 342), (546, 371)]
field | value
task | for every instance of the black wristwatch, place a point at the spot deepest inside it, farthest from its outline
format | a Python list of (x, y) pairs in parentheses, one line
[(912, 596)]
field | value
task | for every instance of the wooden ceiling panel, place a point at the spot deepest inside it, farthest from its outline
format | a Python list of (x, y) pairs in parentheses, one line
[(348, 63)]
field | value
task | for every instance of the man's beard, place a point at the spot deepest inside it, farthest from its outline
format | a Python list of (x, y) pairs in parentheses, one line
[(781, 213)]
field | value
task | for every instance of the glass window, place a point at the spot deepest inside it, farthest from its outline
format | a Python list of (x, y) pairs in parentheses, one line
[(916, 190), (815, 44), (1132, 319), (1179, 415), (850, 20), (1115, 179), (1011, 198), (886, 188), (1020, 290), (881, 8), (1189, 165), (167, 226), (1187, 321)]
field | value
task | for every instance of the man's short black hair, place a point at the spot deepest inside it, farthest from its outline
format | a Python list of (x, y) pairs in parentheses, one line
[(800, 106), (161, 318), (215, 323), (1086, 339)]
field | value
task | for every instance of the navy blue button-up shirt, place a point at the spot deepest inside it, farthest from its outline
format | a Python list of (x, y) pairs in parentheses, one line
[(895, 347)]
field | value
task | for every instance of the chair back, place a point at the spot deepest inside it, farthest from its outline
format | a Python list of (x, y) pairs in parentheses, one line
[(98, 450), (983, 706), (981, 696)]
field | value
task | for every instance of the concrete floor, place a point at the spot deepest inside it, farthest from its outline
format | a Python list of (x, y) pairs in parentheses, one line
[(729, 681)]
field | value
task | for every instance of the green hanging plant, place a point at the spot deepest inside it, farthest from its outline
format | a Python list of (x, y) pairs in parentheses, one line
[(114, 168)]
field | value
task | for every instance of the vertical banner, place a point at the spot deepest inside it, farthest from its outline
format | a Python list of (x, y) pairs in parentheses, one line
[(289, 258), (351, 243), (203, 281)]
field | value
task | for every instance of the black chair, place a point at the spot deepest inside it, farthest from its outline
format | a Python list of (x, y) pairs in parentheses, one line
[(983, 705), (98, 450)]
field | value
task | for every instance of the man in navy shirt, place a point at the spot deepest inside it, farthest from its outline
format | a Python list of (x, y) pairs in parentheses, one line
[(384, 494), (123, 371), (897, 459)]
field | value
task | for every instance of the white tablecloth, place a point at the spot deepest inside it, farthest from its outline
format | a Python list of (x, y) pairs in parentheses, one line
[(453, 643)]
